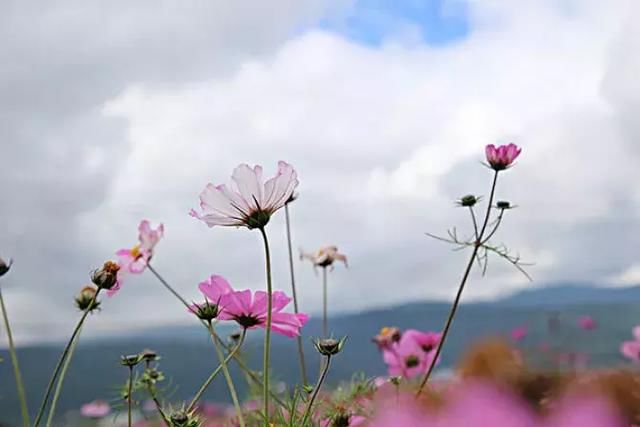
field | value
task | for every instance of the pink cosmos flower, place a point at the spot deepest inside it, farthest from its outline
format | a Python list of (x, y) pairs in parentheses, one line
[(502, 157), (584, 411), (406, 358), (135, 260), (250, 311), (249, 202), (519, 333), (213, 289), (95, 409), (428, 341), (386, 337), (587, 323)]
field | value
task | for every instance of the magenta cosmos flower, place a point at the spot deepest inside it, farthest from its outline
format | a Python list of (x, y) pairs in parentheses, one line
[(214, 288), (412, 355), (249, 202), (587, 323), (95, 409), (502, 157)]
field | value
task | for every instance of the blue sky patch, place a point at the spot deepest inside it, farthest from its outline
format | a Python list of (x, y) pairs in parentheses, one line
[(372, 22)]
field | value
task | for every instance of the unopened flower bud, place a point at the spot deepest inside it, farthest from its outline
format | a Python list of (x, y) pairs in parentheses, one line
[(468, 201), (130, 360), (107, 276), (329, 346), (183, 419), (149, 355), (86, 299), (4, 267), (206, 311), (503, 204)]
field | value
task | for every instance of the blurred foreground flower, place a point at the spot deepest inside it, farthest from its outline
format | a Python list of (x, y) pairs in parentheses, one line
[(631, 349), (95, 409), (249, 202), (386, 337), (135, 260)]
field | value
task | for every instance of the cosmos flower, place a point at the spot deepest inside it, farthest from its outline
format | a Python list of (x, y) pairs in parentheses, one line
[(249, 202), (406, 358), (135, 260), (95, 409), (587, 323), (502, 157), (519, 333), (325, 256), (631, 349), (250, 311), (386, 337)]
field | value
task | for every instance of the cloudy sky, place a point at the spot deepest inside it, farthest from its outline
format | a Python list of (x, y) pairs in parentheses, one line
[(111, 112)]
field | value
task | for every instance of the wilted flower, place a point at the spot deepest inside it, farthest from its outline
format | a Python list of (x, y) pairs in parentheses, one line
[(250, 311), (386, 337), (502, 157), (329, 346), (4, 267), (95, 409), (107, 277), (135, 260), (249, 202), (325, 256), (587, 323), (86, 299)]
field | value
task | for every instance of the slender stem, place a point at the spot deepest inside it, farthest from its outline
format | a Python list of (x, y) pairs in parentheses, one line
[(213, 375), (465, 276), (63, 373), (325, 325), (227, 376), (241, 364), (316, 390), (154, 397), (129, 398), (63, 356), (16, 367), (267, 334), (475, 223), (303, 367), (495, 227)]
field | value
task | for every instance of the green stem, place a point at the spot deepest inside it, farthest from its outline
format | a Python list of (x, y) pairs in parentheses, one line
[(267, 335), (227, 376), (325, 321), (154, 397), (215, 373), (63, 356), (129, 397), (465, 276), (16, 367), (63, 373), (303, 366), (316, 390)]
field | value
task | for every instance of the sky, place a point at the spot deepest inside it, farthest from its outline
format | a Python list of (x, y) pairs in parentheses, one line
[(115, 112)]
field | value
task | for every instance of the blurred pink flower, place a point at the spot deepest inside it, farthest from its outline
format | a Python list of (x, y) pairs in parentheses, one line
[(95, 409), (386, 337), (519, 333), (135, 260), (502, 157), (631, 349), (584, 411), (428, 341), (406, 358), (250, 311), (325, 256), (587, 323), (401, 410), (249, 202)]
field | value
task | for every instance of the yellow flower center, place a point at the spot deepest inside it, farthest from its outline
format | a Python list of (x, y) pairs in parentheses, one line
[(386, 331), (135, 252)]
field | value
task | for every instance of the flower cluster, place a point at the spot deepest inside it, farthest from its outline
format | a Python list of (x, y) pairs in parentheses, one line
[(409, 353)]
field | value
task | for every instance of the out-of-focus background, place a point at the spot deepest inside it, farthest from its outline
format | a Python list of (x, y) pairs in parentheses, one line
[(114, 112)]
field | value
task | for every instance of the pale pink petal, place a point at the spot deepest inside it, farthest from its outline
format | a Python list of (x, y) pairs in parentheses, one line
[(631, 349), (636, 332), (491, 153), (215, 202), (124, 252), (249, 184), (280, 188), (585, 411), (214, 287), (287, 324)]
